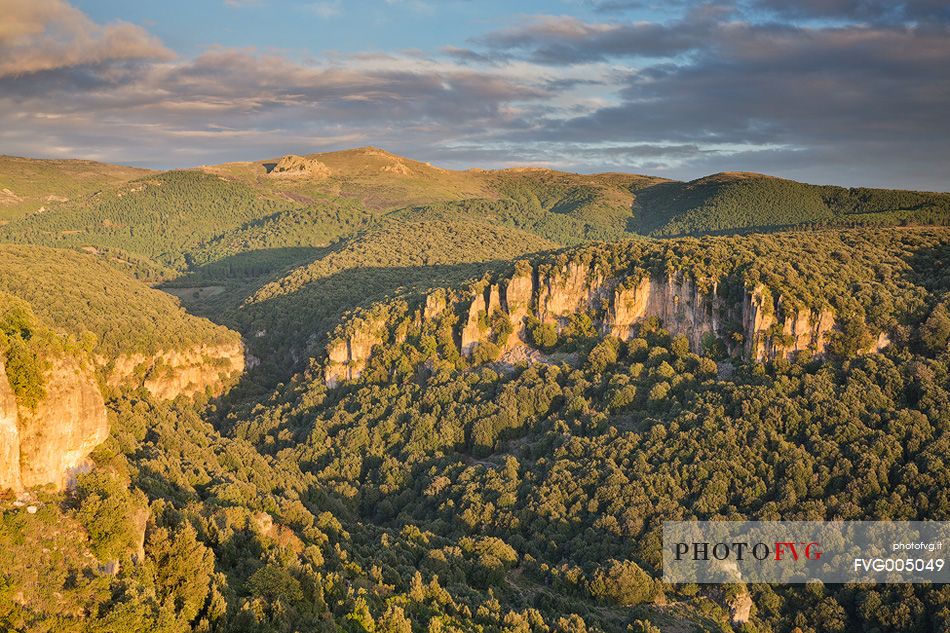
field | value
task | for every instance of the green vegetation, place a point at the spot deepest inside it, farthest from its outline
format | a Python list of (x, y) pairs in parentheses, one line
[(568, 208), (26, 345), (258, 251), (29, 185), (443, 493), (158, 216), (729, 202), (78, 294)]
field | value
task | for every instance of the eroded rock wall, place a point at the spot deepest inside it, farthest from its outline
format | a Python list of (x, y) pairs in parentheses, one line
[(751, 321), (44, 444), (347, 356), (180, 373), (9, 435), (48, 444)]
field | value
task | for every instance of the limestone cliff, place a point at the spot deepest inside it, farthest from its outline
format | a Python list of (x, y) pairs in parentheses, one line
[(347, 355), (9, 435), (179, 373), (44, 444), (747, 319), (47, 444)]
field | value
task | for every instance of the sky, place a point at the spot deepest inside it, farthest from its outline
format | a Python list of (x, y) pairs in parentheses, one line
[(850, 92)]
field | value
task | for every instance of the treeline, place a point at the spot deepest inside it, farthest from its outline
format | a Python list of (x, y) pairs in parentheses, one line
[(727, 203)]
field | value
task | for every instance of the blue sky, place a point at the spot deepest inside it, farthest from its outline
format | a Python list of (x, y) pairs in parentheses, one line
[(852, 92), (307, 27)]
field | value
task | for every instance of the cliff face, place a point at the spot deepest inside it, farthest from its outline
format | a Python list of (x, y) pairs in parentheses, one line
[(43, 445), (189, 372), (347, 356), (681, 307), (751, 322), (47, 444), (9, 435)]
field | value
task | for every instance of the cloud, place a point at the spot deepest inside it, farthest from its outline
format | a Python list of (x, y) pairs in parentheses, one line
[(708, 90), (845, 100), (327, 9), (42, 35), (560, 40), (785, 84), (879, 11), (860, 10), (245, 104)]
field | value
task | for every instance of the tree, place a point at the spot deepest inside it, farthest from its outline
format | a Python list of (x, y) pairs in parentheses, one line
[(543, 335), (935, 331), (603, 354), (184, 576), (852, 337), (394, 620), (623, 582)]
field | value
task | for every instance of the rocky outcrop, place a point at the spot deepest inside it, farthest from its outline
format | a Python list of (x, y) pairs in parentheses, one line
[(675, 300), (740, 606), (44, 444), (747, 321), (347, 355), (167, 375), (562, 291), (519, 292), (299, 167), (9, 435), (49, 444)]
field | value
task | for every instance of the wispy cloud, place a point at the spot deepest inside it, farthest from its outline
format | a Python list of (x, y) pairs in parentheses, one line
[(327, 9)]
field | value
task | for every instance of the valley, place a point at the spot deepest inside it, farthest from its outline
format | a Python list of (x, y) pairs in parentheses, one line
[(354, 391)]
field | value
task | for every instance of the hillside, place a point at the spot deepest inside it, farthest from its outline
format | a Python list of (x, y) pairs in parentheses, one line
[(77, 293), (729, 202), (760, 298), (548, 473), (400, 256), (29, 185), (375, 178), (256, 245), (160, 217), (186, 219)]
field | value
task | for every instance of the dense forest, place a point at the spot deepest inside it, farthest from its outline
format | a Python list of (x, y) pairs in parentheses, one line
[(519, 486), (81, 295)]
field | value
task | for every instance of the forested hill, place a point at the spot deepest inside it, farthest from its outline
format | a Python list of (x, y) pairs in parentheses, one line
[(279, 249), (537, 483), (729, 202), (78, 293), (762, 297), (187, 219)]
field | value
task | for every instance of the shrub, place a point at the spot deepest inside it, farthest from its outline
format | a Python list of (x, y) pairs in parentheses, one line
[(543, 335), (851, 338), (603, 354), (935, 331), (622, 582)]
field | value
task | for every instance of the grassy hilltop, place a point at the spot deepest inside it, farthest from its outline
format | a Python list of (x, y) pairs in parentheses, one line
[(30, 185)]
